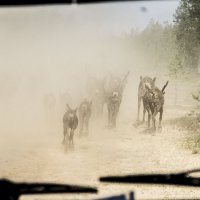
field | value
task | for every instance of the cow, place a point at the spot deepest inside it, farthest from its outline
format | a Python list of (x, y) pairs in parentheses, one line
[(85, 110), (113, 104), (70, 123), (113, 82), (114, 94), (95, 91), (142, 91), (153, 102)]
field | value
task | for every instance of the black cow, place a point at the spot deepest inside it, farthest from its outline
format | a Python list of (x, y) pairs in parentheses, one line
[(113, 104), (114, 91), (153, 101), (144, 81), (70, 123)]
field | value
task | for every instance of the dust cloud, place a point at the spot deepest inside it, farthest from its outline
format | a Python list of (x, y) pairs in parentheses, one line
[(51, 50), (46, 50)]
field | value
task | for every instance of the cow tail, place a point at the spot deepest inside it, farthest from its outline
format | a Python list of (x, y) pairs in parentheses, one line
[(163, 89)]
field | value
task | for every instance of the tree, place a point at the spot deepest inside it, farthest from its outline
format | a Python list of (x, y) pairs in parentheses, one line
[(177, 72), (196, 95), (187, 30), (155, 44)]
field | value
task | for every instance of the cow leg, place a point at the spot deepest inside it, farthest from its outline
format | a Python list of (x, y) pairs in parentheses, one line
[(71, 139), (101, 109), (81, 126), (113, 119), (115, 115), (113, 122), (64, 134), (154, 119), (144, 112), (139, 104), (66, 138), (160, 118), (149, 118), (86, 126), (109, 116)]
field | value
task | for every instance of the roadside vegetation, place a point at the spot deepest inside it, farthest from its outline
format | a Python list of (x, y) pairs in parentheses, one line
[(190, 125), (174, 48)]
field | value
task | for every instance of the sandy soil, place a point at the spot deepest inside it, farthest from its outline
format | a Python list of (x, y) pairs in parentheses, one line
[(125, 150)]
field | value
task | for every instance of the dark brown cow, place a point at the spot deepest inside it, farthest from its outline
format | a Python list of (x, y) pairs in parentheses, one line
[(153, 103), (114, 82), (113, 104), (141, 92), (70, 123), (114, 98)]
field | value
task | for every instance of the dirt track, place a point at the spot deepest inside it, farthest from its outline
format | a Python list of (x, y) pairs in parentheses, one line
[(105, 152)]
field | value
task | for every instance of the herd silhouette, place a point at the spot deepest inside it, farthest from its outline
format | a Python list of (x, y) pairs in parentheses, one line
[(109, 91)]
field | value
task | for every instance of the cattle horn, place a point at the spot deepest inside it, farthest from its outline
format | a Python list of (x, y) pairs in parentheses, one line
[(68, 106)]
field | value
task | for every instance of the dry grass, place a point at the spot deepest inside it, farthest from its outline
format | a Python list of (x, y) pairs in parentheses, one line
[(190, 124)]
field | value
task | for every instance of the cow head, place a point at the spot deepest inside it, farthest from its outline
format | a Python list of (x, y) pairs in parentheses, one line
[(146, 83), (70, 110)]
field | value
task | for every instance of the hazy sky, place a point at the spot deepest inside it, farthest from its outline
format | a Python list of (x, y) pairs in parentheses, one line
[(120, 17), (37, 41), (44, 47), (108, 17)]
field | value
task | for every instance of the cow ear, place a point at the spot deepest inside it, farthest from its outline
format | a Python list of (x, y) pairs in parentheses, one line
[(68, 107), (154, 79), (140, 77), (147, 87)]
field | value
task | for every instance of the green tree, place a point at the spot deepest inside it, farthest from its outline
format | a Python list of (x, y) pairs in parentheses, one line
[(187, 30)]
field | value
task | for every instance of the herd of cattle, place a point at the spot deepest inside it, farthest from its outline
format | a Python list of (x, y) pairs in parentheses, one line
[(109, 91)]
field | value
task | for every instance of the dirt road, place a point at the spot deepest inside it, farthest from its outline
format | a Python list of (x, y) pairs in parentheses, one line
[(124, 150)]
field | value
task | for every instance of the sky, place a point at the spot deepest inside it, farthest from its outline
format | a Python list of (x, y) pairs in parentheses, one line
[(120, 17), (37, 41), (52, 48), (115, 18)]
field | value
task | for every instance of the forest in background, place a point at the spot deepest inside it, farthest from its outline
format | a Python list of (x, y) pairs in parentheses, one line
[(174, 45), (173, 48)]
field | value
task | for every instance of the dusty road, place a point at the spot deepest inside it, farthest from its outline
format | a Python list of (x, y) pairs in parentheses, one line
[(105, 152)]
